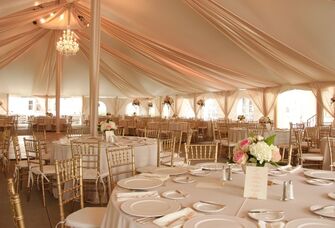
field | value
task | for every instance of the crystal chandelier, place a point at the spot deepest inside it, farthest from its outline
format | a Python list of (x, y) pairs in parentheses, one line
[(67, 44)]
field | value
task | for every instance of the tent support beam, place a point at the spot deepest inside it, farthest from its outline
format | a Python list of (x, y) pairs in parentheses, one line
[(59, 72)]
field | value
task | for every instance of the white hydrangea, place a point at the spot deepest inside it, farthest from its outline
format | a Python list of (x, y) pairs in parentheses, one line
[(261, 151)]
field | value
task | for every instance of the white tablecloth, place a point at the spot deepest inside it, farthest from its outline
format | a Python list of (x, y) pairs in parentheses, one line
[(282, 136), (231, 194), (145, 151)]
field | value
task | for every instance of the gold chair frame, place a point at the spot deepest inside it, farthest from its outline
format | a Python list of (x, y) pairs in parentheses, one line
[(15, 202)]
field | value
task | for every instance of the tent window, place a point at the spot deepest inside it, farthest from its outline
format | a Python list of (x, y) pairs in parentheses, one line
[(245, 107), (102, 109), (132, 109), (295, 106), (166, 111), (186, 110), (211, 110)]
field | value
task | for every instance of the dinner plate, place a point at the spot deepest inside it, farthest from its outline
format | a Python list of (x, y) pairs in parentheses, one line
[(277, 173), (172, 171), (184, 179), (174, 194), (328, 211), (319, 182), (331, 195), (207, 207), (150, 207), (310, 223), (215, 221), (211, 165), (266, 215), (139, 183), (320, 174), (200, 173)]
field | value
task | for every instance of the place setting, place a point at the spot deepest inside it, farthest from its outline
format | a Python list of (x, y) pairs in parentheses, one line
[(324, 210)]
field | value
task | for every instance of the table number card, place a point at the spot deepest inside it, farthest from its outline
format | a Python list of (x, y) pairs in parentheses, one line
[(255, 184)]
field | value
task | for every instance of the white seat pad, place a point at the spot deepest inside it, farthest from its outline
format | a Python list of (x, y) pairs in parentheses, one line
[(92, 174), (312, 157), (22, 164), (47, 169), (88, 217)]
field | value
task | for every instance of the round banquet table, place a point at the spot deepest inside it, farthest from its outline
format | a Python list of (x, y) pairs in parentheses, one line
[(210, 188), (145, 151), (282, 135)]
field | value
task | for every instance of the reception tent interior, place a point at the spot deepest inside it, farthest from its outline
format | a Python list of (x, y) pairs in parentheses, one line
[(206, 71)]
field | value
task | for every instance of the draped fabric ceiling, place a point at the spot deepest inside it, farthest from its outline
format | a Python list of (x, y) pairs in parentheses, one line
[(153, 48)]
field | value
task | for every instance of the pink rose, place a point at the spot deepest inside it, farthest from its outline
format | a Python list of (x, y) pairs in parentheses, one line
[(240, 157), (275, 154), (244, 144)]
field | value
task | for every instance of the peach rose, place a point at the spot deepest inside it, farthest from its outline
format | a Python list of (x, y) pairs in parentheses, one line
[(275, 154)]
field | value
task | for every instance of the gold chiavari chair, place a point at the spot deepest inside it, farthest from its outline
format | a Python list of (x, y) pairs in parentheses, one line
[(15, 203), (201, 152), (167, 153), (90, 150), (70, 189), (74, 132), (121, 163), (228, 142), (152, 133), (307, 159), (286, 159), (119, 132), (21, 166), (255, 131), (36, 166), (4, 151), (331, 151)]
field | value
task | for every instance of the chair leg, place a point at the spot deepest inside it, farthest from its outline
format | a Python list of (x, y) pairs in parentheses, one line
[(43, 192)]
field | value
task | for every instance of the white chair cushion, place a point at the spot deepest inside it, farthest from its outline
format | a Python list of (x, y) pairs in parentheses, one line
[(314, 150), (88, 217), (22, 164), (47, 170), (312, 157), (92, 174)]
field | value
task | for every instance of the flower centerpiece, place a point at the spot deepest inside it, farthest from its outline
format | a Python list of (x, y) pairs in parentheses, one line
[(265, 120), (257, 150), (241, 117), (201, 102), (136, 102), (168, 100), (107, 125)]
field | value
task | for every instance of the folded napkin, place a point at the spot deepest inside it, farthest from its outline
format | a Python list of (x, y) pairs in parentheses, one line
[(290, 169), (162, 177), (124, 196), (262, 224), (175, 219)]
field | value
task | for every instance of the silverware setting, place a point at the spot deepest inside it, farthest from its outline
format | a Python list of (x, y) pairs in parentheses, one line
[(213, 203), (265, 212)]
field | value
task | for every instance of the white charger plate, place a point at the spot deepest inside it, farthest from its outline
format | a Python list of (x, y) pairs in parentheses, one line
[(310, 223), (327, 212), (267, 216), (150, 207), (215, 221), (319, 182), (139, 183), (211, 165), (172, 171), (183, 180), (320, 174), (207, 207), (173, 194), (331, 195)]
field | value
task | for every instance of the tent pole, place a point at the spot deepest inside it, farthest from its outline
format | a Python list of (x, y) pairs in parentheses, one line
[(94, 65), (59, 72)]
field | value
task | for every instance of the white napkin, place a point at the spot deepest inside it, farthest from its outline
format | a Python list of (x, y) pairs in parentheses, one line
[(262, 224), (124, 196), (290, 169), (162, 177), (175, 219)]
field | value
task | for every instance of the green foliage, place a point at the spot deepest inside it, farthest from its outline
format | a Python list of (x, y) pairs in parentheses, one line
[(270, 140)]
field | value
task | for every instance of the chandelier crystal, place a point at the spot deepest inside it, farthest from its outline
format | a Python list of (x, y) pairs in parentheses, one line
[(67, 44)]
